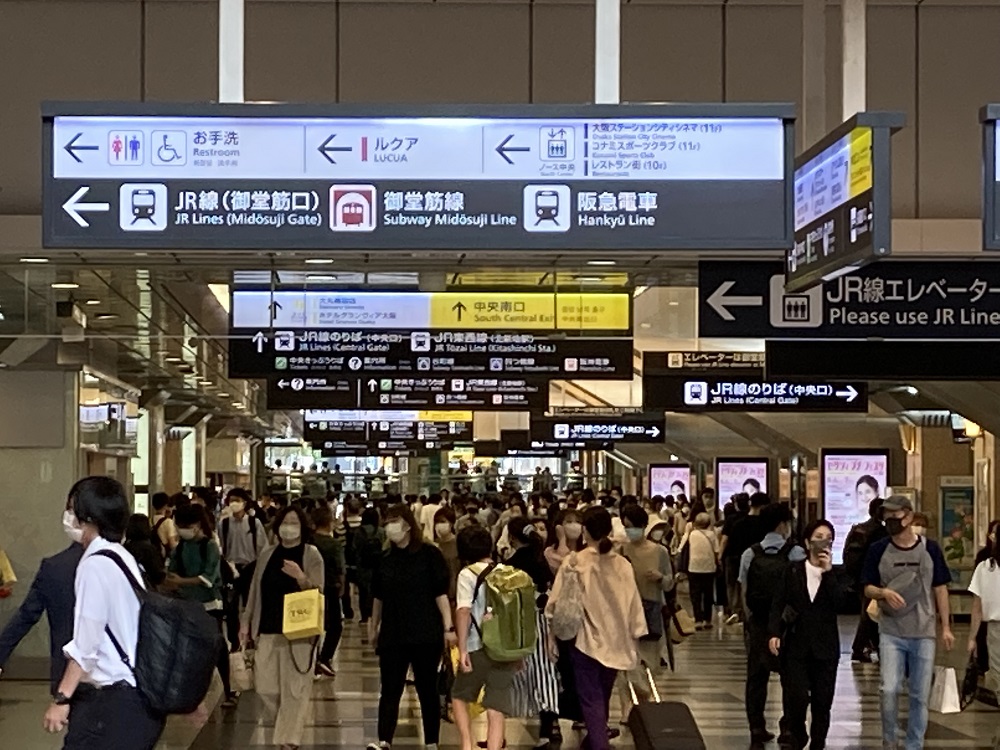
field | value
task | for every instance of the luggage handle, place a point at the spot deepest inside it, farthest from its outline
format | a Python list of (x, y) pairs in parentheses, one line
[(654, 693)]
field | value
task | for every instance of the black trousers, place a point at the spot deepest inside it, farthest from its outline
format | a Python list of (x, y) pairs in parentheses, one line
[(222, 660), (365, 598), (760, 664), (393, 662), (866, 636), (808, 682), (334, 625), (239, 593), (114, 718), (345, 596), (702, 595)]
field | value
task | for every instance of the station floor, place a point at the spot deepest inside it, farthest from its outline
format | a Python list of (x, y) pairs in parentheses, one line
[(708, 677)]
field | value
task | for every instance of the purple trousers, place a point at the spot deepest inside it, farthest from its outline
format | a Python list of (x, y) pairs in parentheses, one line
[(595, 684)]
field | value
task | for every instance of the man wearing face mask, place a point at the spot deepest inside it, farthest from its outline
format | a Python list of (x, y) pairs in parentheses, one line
[(909, 578), (243, 539), (51, 593)]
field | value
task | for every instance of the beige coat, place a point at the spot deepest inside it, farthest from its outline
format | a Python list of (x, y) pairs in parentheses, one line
[(312, 566)]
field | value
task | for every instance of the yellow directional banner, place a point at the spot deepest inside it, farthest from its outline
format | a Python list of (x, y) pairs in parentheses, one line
[(531, 311), (445, 416), (861, 177)]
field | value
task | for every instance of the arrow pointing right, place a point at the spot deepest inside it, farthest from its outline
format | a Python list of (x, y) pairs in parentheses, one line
[(719, 302), (849, 393)]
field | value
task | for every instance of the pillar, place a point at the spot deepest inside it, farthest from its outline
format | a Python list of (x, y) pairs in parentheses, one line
[(985, 457), (934, 454), (231, 57), (607, 51), (813, 72), (201, 450), (156, 452), (854, 27)]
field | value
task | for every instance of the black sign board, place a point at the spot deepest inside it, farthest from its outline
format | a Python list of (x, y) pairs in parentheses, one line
[(312, 392), (989, 115), (389, 431), (687, 363), (594, 411), (646, 429), (884, 360), (598, 177), (843, 205), (487, 394), (254, 354), (890, 300), (740, 392), (497, 448)]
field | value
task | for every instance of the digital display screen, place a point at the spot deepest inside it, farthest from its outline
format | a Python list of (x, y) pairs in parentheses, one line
[(735, 475), (669, 479), (851, 480)]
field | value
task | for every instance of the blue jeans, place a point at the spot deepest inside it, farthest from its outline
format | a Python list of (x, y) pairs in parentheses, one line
[(897, 658)]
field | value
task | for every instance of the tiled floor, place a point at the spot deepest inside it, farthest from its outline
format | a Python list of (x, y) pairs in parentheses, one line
[(708, 678)]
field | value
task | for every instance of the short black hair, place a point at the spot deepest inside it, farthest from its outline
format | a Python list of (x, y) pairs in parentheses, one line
[(322, 516), (138, 528), (811, 529), (102, 501), (194, 515), (760, 500), (635, 514), (742, 502), (774, 515), (474, 544), (240, 494), (160, 500), (753, 482), (446, 513), (370, 517)]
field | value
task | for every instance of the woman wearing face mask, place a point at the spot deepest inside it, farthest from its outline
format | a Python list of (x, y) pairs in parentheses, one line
[(654, 577), (411, 623), (284, 669), (138, 543), (681, 516), (536, 686), (986, 553), (985, 588), (447, 542), (568, 537), (804, 634), (194, 573)]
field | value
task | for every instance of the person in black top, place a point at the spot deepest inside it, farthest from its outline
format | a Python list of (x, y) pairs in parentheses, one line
[(138, 542), (411, 624), (731, 553), (804, 634)]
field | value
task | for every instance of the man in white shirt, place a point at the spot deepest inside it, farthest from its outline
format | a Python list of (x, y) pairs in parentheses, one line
[(242, 539), (97, 698), (427, 514), (164, 528)]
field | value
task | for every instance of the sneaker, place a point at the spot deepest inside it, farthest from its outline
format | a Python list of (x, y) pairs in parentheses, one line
[(378, 746), (733, 619), (323, 669), (230, 701), (862, 658)]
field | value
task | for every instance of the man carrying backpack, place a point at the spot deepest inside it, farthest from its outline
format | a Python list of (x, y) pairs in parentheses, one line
[(862, 538), (762, 573), (243, 539), (97, 698)]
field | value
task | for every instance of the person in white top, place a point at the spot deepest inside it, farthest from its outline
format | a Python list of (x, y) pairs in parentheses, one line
[(98, 684), (704, 562), (985, 585)]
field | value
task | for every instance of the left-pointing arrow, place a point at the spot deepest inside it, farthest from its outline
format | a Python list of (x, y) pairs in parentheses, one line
[(326, 149), (73, 206), (72, 147)]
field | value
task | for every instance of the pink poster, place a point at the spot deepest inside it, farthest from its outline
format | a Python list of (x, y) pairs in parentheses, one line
[(850, 482), (735, 475), (669, 479)]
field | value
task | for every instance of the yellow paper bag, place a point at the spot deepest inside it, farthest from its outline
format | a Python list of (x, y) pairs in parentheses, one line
[(304, 614), (477, 708)]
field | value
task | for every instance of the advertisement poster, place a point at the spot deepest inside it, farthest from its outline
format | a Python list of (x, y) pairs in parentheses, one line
[(735, 475), (851, 480), (958, 524), (669, 479)]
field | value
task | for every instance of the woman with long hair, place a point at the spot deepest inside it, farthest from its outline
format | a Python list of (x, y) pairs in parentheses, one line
[(613, 622), (985, 587)]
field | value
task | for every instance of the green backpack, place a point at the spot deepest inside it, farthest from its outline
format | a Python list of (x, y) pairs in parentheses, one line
[(509, 632)]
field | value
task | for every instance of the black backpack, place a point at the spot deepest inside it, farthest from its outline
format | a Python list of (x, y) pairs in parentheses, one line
[(225, 534), (765, 577), (176, 652)]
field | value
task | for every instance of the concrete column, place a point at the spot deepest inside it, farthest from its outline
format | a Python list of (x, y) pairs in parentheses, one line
[(156, 453), (854, 24), (201, 450), (231, 58), (986, 459), (813, 72), (607, 51)]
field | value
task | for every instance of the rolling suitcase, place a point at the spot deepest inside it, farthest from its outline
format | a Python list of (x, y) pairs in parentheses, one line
[(662, 726)]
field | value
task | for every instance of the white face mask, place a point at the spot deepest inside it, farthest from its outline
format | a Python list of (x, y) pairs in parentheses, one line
[(573, 530), (289, 532), (237, 506), (395, 531), (72, 527), (442, 528), (186, 534)]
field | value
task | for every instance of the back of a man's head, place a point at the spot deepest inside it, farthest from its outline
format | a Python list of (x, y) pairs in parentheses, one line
[(102, 502), (759, 501), (875, 508), (773, 516), (160, 500)]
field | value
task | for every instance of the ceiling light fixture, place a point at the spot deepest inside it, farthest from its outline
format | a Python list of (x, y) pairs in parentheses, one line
[(590, 279), (320, 277), (93, 302), (602, 262), (174, 358), (223, 395), (673, 303), (34, 260), (639, 290), (106, 316), (645, 325), (319, 261), (65, 285), (238, 404)]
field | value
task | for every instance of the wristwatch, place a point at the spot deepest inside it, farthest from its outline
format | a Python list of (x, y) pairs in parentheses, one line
[(61, 699)]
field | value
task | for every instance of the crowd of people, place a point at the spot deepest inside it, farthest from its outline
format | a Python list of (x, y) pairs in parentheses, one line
[(596, 575)]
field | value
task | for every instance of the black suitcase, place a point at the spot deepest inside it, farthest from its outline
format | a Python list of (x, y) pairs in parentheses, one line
[(663, 726)]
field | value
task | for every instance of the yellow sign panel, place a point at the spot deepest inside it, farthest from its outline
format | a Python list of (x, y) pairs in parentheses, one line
[(861, 161), (531, 311), (445, 416)]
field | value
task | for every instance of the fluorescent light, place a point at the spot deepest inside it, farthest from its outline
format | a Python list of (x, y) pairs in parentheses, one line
[(601, 262), (320, 277), (238, 404), (590, 279), (912, 390), (106, 316), (174, 358), (645, 325), (319, 261), (34, 260), (673, 303), (223, 395), (65, 285), (93, 302), (673, 457), (639, 290)]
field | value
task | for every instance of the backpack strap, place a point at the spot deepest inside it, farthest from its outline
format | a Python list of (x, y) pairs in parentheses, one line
[(137, 588), (225, 538), (475, 594), (786, 548)]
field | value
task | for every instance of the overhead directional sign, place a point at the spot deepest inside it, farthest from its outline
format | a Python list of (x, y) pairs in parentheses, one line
[(892, 300), (366, 353), (602, 177), (387, 430), (311, 392), (647, 429), (677, 363), (488, 394), (591, 312), (989, 115), (843, 204), (737, 392)]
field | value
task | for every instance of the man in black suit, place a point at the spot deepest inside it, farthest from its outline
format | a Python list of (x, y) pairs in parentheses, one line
[(52, 592)]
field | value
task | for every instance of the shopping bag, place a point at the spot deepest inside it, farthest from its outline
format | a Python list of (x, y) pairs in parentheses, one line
[(874, 611), (477, 708), (304, 611), (944, 692), (681, 626), (241, 675), (970, 685)]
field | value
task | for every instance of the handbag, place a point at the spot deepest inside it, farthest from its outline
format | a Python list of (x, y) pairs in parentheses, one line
[(970, 684), (654, 620), (303, 615), (241, 670), (944, 692), (567, 611), (681, 626)]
